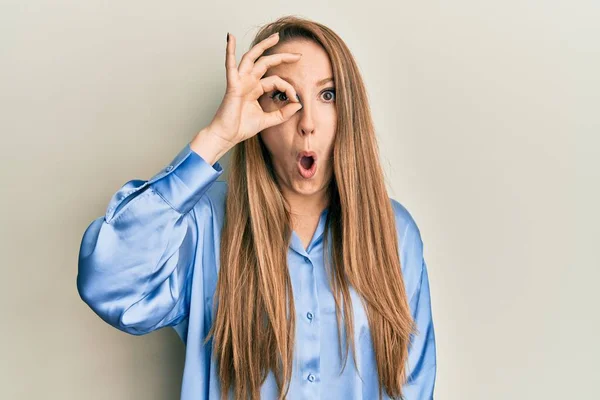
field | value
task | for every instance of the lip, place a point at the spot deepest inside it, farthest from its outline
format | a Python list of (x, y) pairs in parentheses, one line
[(307, 174), (306, 153)]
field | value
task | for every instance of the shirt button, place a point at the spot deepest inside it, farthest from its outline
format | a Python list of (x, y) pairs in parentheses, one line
[(170, 167), (311, 377), (309, 315), (307, 260)]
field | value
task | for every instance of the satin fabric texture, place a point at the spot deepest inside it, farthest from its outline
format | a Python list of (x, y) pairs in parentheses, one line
[(152, 261)]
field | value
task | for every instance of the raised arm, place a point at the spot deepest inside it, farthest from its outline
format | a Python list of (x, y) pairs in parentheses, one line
[(135, 262)]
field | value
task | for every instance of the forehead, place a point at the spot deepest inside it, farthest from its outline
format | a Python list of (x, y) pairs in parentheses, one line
[(313, 66)]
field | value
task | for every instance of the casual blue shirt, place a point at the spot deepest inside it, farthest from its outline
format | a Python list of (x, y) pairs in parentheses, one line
[(152, 261)]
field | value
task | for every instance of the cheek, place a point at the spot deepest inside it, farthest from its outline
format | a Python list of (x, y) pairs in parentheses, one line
[(269, 136), (331, 136), (276, 142)]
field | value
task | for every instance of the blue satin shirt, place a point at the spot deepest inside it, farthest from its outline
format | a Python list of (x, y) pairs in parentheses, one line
[(152, 261)]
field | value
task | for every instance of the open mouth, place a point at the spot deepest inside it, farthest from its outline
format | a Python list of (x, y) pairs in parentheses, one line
[(307, 162), (307, 166)]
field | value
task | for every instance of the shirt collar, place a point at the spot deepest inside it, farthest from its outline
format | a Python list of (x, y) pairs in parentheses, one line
[(296, 243)]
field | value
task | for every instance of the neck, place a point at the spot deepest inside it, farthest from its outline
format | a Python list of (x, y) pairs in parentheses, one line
[(307, 206)]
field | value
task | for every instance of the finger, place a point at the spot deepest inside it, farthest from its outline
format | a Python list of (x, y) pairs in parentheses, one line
[(283, 114), (250, 57), (230, 67), (266, 62), (275, 82)]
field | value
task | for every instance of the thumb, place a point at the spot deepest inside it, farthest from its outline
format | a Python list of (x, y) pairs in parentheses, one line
[(290, 109), (277, 117)]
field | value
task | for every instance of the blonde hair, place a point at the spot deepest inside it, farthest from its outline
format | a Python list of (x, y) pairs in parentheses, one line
[(254, 326)]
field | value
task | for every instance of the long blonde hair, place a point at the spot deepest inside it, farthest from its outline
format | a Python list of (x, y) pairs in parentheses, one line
[(253, 331)]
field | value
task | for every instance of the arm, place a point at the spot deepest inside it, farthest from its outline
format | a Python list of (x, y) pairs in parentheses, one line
[(135, 262), (422, 353), (421, 365)]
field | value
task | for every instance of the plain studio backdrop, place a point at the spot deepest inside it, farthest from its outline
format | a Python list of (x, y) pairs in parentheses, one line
[(487, 120)]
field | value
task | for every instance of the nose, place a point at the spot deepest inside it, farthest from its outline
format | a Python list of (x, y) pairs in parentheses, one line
[(306, 124)]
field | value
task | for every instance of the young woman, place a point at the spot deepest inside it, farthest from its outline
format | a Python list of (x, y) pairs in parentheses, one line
[(270, 279)]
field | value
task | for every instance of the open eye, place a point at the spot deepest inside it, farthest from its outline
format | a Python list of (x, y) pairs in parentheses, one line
[(275, 95), (332, 96)]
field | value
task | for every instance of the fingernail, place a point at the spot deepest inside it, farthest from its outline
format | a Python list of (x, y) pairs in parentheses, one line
[(227, 37), (275, 34)]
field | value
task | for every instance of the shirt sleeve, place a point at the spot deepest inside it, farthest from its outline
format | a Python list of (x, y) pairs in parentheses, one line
[(421, 364), (422, 352), (135, 262)]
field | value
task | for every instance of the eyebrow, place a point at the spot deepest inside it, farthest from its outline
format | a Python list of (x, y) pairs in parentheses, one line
[(319, 83)]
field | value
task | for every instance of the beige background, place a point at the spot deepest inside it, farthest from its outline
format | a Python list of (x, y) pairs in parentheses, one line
[(484, 110)]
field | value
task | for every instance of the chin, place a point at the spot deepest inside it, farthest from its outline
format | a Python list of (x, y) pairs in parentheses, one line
[(306, 187)]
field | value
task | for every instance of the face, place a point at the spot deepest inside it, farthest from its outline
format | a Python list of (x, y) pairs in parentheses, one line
[(312, 128)]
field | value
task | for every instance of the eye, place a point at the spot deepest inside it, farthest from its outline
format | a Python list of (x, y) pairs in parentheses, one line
[(332, 96), (277, 93)]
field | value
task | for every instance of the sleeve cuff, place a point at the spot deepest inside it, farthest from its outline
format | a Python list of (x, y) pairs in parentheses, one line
[(187, 178)]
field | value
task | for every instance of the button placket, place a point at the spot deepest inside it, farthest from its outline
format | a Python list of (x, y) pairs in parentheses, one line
[(309, 333)]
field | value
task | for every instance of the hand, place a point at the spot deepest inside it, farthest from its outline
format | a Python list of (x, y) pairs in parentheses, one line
[(240, 115)]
